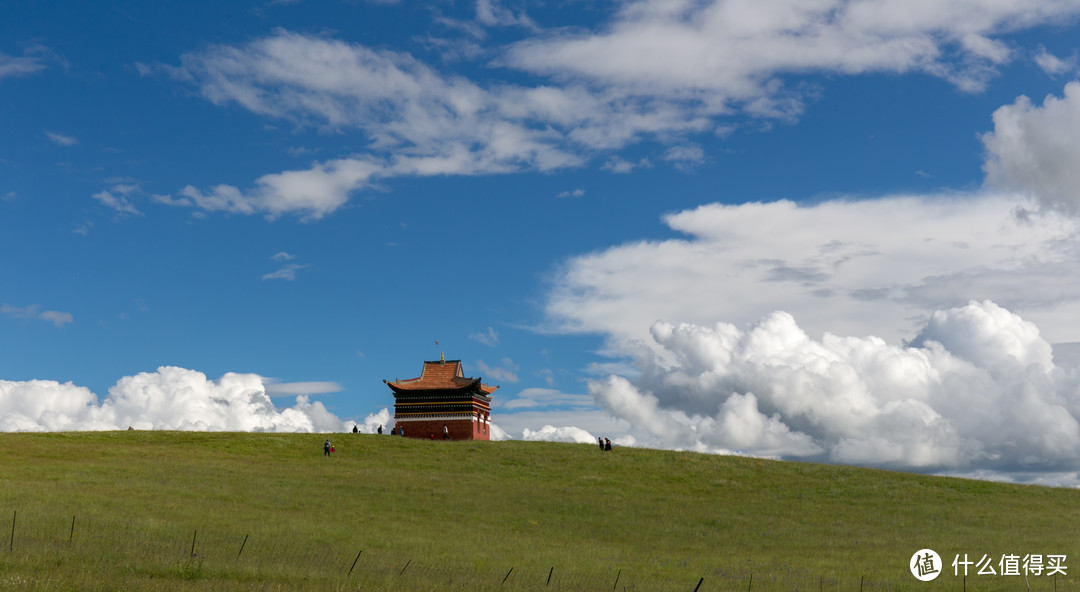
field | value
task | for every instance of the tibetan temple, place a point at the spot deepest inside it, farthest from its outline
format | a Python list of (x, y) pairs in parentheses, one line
[(443, 396)]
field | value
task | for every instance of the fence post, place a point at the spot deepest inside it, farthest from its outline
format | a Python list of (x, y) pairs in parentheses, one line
[(16, 513), (71, 535), (242, 546), (551, 571), (354, 562), (506, 576), (698, 584), (616, 579), (193, 542)]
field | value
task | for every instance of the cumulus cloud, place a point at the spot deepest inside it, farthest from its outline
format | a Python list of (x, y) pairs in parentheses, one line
[(975, 390), (550, 433), (169, 398), (1035, 149)]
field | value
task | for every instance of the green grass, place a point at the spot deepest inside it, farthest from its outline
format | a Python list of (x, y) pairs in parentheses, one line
[(462, 515)]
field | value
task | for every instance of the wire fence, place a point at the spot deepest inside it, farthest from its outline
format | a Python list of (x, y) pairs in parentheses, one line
[(69, 552)]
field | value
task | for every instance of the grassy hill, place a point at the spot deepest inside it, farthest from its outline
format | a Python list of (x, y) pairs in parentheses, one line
[(226, 511)]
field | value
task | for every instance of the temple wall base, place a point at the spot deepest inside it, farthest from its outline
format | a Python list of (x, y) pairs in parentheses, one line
[(457, 429)]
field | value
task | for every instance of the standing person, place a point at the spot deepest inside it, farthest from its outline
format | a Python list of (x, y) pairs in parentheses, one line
[(355, 429), (393, 431), (402, 431), (607, 444), (380, 429), (445, 433), (326, 447), (600, 441)]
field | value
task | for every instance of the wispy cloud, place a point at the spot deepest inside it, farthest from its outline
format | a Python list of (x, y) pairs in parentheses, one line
[(288, 272), (34, 59), (489, 337), (33, 311), (505, 372), (117, 198), (655, 70), (61, 139)]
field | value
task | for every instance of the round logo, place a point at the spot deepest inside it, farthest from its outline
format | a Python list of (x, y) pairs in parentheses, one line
[(925, 565)]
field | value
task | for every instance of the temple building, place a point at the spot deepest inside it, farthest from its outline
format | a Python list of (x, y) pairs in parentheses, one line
[(442, 396)]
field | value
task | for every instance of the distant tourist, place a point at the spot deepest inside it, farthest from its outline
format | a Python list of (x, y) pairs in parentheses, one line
[(402, 431), (355, 429), (326, 447), (600, 441), (607, 444), (380, 430), (445, 433), (393, 431)]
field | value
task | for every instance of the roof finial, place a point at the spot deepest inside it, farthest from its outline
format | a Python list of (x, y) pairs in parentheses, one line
[(442, 357)]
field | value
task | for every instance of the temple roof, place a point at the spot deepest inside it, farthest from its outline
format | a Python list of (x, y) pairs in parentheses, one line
[(441, 375)]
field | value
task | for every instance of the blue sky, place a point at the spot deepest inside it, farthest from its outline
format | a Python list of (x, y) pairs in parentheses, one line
[(779, 228)]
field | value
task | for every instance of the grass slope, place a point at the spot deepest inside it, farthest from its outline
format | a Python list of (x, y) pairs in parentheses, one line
[(226, 511)]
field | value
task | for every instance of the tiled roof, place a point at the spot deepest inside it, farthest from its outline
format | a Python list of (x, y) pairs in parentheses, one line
[(440, 375)]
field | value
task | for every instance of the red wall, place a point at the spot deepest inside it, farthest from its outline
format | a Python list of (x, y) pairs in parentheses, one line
[(458, 429)]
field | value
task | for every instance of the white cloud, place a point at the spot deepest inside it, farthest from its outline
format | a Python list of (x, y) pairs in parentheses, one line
[(33, 60), (278, 389), (1035, 149), (594, 421), (550, 433), (506, 372), (621, 166), (489, 338), (736, 50), (371, 423), (540, 398), (685, 156), (1053, 65), (61, 139), (491, 14), (33, 311), (287, 273), (283, 256), (117, 198), (170, 398), (851, 267), (977, 390), (657, 70), (579, 192), (56, 317)]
